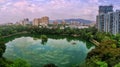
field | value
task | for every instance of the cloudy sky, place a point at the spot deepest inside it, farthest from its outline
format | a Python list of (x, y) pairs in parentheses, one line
[(16, 10)]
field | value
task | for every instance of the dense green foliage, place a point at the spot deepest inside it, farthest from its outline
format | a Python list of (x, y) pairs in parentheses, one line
[(108, 51), (2, 48), (44, 39), (86, 33), (8, 30), (3, 61), (19, 63), (117, 65)]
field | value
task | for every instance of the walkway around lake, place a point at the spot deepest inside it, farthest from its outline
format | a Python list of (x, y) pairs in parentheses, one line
[(14, 34)]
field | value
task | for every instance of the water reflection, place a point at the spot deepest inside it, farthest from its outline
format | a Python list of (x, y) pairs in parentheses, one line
[(44, 41), (38, 52)]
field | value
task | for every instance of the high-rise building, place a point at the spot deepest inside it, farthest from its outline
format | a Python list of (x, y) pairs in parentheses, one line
[(105, 9), (102, 17), (108, 20), (44, 21), (116, 22), (36, 22)]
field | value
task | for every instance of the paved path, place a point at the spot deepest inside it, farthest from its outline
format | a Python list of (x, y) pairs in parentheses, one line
[(15, 34), (95, 42)]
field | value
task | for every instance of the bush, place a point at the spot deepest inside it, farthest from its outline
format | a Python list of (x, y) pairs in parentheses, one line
[(20, 63), (2, 48), (117, 65), (44, 37)]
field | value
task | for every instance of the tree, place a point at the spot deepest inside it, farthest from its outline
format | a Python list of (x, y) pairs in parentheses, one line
[(117, 65), (102, 64), (106, 51), (2, 48), (20, 63)]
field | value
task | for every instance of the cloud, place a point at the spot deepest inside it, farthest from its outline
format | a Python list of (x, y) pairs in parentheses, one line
[(1, 1), (15, 10)]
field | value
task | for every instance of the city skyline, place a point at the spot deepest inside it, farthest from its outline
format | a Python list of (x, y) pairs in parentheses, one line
[(15, 10)]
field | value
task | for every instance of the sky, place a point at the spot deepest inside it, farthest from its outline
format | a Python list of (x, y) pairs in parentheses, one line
[(16, 10)]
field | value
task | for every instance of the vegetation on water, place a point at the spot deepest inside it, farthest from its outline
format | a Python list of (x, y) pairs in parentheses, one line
[(107, 54), (44, 39)]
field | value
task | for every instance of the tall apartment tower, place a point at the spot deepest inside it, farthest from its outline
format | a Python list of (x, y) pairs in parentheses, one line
[(116, 22), (102, 18), (105, 9), (108, 20)]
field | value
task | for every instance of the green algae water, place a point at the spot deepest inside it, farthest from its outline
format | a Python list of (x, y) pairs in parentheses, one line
[(61, 52)]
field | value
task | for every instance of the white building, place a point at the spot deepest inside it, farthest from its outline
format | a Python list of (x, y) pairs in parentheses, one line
[(108, 20), (116, 22)]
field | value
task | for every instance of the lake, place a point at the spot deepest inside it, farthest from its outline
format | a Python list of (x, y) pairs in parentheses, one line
[(60, 52)]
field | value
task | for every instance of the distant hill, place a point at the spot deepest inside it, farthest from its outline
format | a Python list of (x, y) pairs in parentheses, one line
[(72, 19)]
